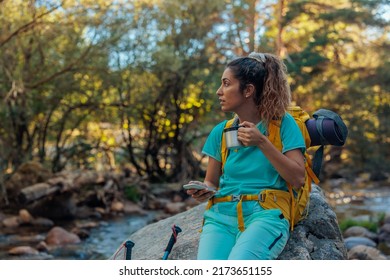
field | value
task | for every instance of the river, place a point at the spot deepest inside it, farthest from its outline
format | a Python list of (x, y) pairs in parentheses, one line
[(103, 240), (356, 204), (100, 245)]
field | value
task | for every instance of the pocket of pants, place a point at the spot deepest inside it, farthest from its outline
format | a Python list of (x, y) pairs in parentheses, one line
[(275, 241)]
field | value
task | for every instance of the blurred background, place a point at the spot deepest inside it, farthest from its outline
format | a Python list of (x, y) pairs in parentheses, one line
[(105, 106)]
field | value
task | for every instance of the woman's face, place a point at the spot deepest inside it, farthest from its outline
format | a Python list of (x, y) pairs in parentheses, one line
[(229, 94)]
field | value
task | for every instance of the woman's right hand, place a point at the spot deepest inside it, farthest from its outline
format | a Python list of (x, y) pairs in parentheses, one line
[(201, 195)]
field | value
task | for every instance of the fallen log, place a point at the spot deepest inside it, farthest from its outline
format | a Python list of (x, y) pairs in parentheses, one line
[(37, 191), (67, 182)]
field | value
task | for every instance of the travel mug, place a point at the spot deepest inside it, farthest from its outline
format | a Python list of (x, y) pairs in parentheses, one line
[(231, 137)]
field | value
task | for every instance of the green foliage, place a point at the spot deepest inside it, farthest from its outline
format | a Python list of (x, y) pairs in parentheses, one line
[(95, 84), (345, 224), (131, 193), (372, 225)]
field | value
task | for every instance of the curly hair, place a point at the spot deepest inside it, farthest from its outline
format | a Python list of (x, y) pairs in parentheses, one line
[(268, 74)]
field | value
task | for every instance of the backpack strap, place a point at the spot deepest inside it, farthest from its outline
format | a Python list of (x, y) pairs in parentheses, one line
[(338, 139), (274, 136), (273, 133), (274, 126)]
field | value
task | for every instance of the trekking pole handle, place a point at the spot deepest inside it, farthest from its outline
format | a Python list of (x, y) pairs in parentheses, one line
[(129, 245), (172, 241)]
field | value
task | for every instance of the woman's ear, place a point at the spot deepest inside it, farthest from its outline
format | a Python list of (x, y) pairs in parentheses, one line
[(249, 90)]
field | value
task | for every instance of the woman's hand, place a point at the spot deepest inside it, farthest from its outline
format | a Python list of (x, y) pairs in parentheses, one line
[(249, 134), (290, 165), (201, 195)]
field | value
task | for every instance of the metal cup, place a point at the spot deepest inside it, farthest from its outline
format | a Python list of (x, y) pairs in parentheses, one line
[(231, 137)]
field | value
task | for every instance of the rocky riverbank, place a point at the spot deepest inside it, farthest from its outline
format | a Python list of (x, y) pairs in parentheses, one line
[(58, 212), (363, 244), (46, 213)]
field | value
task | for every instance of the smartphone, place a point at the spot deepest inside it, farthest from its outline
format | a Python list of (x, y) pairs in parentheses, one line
[(194, 186), (197, 187)]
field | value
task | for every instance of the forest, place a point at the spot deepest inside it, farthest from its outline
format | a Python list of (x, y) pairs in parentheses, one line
[(130, 84)]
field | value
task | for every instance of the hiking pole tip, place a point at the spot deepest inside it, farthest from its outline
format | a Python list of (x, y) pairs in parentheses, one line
[(129, 245), (172, 241)]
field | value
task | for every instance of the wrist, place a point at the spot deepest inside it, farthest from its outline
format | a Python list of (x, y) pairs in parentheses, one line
[(263, 142)]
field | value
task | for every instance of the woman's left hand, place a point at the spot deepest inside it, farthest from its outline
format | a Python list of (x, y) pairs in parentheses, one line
[(249, 134)]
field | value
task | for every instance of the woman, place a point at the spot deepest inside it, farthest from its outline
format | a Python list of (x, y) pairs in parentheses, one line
[(255, 88)]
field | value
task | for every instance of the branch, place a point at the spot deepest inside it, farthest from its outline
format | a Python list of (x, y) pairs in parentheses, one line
[(69, 67), (27, 25)]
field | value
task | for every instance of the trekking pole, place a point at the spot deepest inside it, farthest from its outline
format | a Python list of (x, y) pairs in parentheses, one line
[(129, 245), (172, 241)]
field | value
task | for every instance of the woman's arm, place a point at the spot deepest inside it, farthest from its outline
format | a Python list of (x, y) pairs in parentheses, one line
[(290, 166), (213, 173)]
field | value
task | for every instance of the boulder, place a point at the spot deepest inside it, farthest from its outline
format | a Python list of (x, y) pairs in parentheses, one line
[(360, 231), (384, 233), (11, 222), (317, 237), (363, 252), (60, 236), (353, 241), (23, 250)]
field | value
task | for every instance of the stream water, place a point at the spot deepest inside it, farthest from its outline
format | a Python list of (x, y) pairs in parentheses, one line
[(107, 237), (100, 245), (347, 205)]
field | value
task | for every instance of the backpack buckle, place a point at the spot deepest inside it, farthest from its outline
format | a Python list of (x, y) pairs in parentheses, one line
[(236, 197), (261, 197)]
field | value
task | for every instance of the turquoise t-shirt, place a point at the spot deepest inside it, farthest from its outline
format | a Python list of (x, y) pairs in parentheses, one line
[(247, 170)]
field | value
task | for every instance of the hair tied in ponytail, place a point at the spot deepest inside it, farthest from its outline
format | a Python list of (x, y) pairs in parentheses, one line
[(260, 57)]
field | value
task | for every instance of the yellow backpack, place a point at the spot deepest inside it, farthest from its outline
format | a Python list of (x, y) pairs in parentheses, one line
[(292, 205)]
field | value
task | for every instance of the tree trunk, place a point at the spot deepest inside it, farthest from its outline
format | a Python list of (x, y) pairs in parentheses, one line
[(279, 39), (37, 191)]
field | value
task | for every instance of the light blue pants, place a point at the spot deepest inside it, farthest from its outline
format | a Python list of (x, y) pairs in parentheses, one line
[(265, 235)]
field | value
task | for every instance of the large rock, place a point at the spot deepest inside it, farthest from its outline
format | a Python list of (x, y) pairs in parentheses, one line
[(58, 236), (317, 237)]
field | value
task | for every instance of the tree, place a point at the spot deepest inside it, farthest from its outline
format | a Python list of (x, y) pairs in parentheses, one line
[(335, 54), (166, 95), (49, 53)]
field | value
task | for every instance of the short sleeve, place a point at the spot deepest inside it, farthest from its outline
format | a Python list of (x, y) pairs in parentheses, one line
[(291, 135), (212, 146)]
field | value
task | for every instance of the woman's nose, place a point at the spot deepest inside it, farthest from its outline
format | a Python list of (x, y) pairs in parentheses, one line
[(219, 92)]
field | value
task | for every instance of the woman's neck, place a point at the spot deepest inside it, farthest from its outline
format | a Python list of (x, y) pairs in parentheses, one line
[(249, 115)]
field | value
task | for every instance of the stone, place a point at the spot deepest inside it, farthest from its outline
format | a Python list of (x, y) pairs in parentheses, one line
[(360, 231), (59, 207), (42, 246), (23, 250), (386, 220), (60, 236), (353, 241), (42, 222), (27, 174), (385, 228), (117, 206), (11, 222), (384, 233), (25, 239), (362, 252), (25, 216), (318, 237), (131, 208)]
